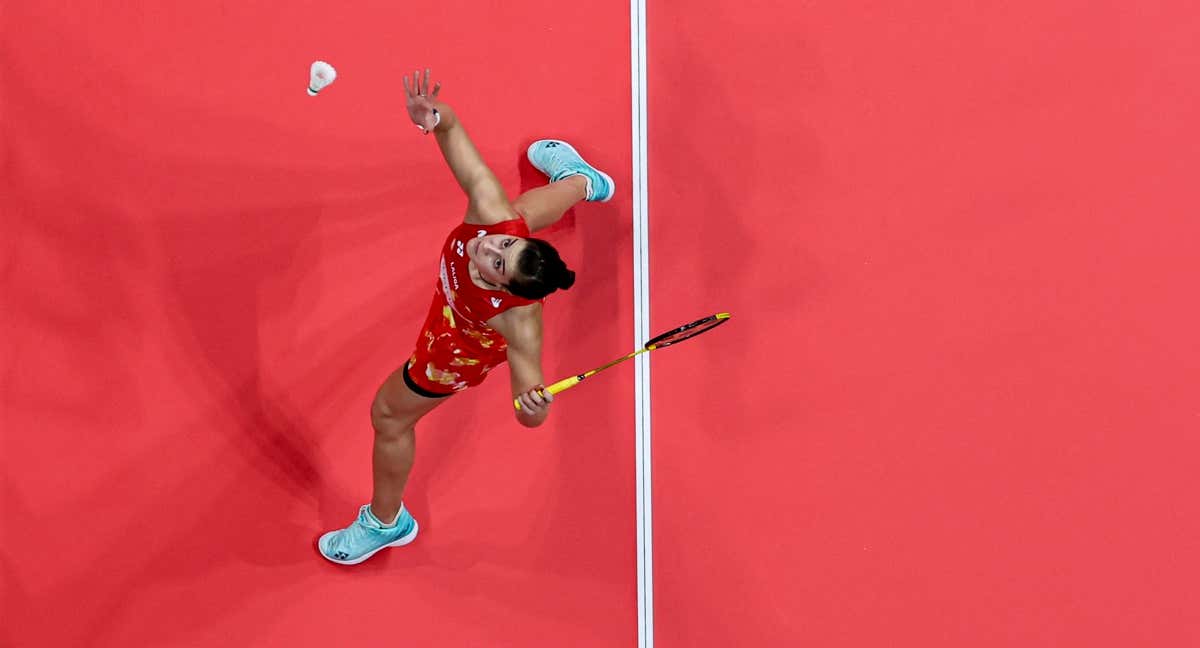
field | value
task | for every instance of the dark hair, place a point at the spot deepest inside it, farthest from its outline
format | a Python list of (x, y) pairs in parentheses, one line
[(540, 271)]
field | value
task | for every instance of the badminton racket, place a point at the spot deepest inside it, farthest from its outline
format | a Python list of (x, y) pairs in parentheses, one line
[(674, 336)]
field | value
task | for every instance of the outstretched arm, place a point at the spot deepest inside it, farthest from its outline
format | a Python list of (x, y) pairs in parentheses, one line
[(486, 201), (522, 329)]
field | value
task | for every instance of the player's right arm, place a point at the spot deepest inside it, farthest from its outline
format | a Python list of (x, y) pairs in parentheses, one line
[(487, 203), (522, 330)]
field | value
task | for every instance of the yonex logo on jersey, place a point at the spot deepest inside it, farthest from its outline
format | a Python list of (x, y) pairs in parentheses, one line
[(479, 233), (496, 301), (458, 247)]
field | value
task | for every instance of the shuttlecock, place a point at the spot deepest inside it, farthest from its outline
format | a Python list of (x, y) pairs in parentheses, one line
[(320, 75)]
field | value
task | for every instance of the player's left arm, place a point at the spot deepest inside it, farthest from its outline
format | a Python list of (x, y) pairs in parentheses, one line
[(522, 329)]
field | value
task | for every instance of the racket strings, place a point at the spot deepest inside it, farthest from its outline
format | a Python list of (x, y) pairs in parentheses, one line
[(687, 331)]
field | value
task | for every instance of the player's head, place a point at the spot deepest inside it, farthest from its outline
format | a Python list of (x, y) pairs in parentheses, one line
[(540, 271), (526, 267)]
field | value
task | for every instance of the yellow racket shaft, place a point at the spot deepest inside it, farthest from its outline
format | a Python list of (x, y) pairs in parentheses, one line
[(568, 383)]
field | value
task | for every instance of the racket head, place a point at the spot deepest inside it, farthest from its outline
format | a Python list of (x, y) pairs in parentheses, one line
[(687, 331)]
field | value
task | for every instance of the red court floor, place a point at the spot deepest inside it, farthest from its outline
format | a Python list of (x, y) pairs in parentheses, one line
[(957, 404)]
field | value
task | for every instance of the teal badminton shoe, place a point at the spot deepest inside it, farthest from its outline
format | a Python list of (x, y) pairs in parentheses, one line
[(366, 536), (559, 160)]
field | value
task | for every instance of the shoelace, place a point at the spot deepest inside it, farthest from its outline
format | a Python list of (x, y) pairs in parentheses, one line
[(562, 160)]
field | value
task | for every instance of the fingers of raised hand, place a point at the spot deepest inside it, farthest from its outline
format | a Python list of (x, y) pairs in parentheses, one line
[(419, 87)]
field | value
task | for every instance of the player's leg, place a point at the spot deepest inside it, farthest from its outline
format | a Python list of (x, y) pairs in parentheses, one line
[(571, 180), (543, 206), (385, 522), (394, 415)]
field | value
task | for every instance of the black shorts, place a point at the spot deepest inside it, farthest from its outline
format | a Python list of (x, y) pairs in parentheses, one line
[(417, 389)]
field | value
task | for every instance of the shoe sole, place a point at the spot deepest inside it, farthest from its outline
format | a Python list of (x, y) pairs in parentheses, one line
[(529, 156), (398, 542)]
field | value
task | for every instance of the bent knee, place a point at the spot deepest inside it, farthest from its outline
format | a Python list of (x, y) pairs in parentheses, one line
[(388, 421), (380, 409), (384, 416)]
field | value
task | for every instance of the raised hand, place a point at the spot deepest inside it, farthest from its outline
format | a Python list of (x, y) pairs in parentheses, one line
[(420, 101)]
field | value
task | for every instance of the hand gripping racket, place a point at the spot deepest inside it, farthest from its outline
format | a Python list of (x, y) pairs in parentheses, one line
[(674, 336)]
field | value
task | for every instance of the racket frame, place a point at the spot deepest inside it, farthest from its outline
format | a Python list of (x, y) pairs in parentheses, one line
[(568, 383)]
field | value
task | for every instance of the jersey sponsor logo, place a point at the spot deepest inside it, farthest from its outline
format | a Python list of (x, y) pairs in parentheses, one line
[(458, 247), (447, 278), (496, 301), (480, 233)]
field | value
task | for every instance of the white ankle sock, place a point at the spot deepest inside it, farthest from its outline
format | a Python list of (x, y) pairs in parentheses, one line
[(385, 525)]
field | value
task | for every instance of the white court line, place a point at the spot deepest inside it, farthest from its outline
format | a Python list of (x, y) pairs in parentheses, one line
[(641, 326)]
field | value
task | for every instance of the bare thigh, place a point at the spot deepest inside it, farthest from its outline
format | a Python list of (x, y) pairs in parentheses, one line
[(397, 402)]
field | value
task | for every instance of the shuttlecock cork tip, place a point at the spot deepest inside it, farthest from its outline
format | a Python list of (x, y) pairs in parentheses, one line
[(320, 75)]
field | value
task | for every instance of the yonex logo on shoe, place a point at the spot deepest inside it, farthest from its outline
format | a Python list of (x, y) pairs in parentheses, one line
[(551, 144), (341, 555)]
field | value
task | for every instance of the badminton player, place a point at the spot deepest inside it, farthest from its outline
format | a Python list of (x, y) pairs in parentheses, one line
[(486, 310)]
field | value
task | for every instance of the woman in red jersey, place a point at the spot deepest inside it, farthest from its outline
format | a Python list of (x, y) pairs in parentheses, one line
[(486, 310)]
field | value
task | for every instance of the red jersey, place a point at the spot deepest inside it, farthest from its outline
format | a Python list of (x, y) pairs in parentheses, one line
[(457, 348), (467, 300)]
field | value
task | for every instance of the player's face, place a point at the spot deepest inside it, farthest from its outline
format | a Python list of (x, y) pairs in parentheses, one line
[(495, 256)]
